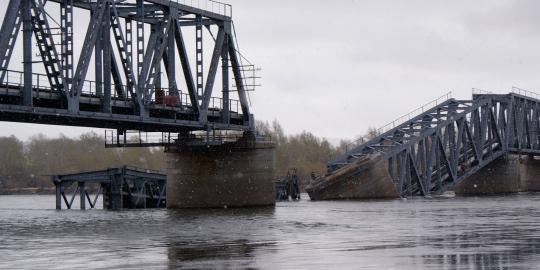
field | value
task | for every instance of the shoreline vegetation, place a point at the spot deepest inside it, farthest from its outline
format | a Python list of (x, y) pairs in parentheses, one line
[(27, 165)]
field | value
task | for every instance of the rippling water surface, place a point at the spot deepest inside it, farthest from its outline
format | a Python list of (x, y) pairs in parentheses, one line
[(500, 232)]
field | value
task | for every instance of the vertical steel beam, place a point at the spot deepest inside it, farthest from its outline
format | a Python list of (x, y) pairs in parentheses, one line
[(107, 65), (147, 63), (534, 125), (129, 50), (199, 57), (82, 195), (186, 67), (58, 188), (430, 161), (27, 98), (140, 46), (225, 110), (66, 42), (157, 78), (212, 75), (117, 79), (171, 57), (8, 34), (503, 123), (98, 61)]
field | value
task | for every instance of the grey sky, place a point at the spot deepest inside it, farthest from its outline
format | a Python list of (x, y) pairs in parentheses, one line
[(338, 67)]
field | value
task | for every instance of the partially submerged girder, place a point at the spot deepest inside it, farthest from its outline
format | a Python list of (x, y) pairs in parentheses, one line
[(439, 148), (127, 60)]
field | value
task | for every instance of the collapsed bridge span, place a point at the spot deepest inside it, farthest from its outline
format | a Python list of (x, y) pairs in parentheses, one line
[(437, 149)]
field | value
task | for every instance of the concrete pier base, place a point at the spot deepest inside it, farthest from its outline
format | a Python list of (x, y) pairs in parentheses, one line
[(508, 174), (238, 174), (529, 174)]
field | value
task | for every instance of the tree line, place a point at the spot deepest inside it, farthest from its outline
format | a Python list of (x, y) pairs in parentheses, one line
[(30, 164), (306, 152)]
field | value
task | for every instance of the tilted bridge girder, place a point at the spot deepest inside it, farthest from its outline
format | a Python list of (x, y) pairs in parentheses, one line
[(126, 46), (437, 149)]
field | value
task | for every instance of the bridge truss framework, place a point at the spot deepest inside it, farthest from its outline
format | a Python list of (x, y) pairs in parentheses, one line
[(442, 146), (127, 93)]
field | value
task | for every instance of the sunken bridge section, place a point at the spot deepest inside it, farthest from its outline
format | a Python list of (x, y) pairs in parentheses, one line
[(441, 146)]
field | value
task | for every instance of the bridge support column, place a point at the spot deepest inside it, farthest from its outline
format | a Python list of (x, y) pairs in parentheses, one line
[(239, 174), (529, 173), (508, 174)]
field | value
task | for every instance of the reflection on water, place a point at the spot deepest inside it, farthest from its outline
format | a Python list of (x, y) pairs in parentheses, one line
[(499, 232)]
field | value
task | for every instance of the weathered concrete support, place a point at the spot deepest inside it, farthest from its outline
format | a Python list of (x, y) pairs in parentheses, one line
[(508, 174), (239, 174), (500, 176), (529, 173)]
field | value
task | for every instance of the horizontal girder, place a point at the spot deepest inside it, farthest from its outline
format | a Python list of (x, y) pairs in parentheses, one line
[(156, 6)]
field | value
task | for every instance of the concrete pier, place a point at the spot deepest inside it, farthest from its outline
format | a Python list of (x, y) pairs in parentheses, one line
[(237, 174), (509, 173)]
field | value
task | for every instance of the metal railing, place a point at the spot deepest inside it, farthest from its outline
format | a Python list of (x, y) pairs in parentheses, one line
[(213, 6), (410, 115), (399, 121), (41, 82), (208, 5), (476, 91), (217, 103), (113, 138), (523, 92)]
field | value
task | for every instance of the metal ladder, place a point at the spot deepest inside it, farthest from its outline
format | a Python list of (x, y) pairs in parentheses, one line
[(124, 49), (199, 57), (46, 45)]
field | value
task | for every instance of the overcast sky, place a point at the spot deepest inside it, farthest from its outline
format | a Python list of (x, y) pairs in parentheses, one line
[(336, 68)]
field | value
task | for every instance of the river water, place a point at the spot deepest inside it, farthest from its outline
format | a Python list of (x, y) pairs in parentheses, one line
[(497, 232)]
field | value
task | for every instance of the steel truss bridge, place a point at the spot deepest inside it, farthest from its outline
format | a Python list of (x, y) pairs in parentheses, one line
[(129, 43), (442, 144)]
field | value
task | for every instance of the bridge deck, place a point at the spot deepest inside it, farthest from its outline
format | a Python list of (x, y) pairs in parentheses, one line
[(49, 108)]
